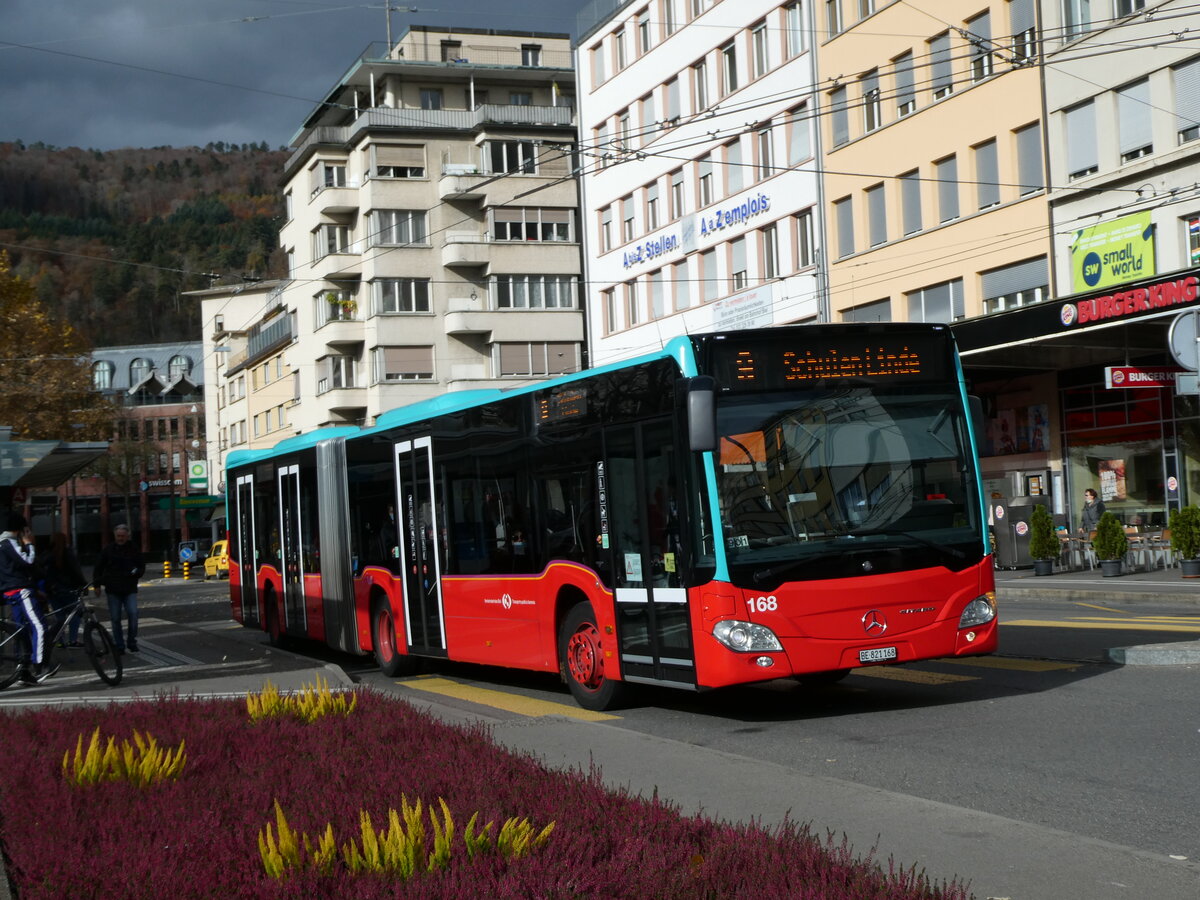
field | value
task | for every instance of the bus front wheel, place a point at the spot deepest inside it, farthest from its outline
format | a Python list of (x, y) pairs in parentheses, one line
[(383, 634), (583, 663)]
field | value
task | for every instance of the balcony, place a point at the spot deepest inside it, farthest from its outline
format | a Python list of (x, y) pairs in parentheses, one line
[(335, 200), (465, 249), (468, 316), (461, 182)]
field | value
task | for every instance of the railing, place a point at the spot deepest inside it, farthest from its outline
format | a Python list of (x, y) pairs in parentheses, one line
[(468, 55), (264, 337)]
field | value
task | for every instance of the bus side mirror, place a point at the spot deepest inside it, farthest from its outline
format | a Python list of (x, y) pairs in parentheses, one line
[(701, 410), (978, 425)]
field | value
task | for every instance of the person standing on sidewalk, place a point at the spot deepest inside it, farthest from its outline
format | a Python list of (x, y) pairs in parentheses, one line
[(118, 569), (17, 575), (1093, 509)]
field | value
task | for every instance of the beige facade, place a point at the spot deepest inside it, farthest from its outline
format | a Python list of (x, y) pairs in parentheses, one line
[(432, 237), (933, 160)]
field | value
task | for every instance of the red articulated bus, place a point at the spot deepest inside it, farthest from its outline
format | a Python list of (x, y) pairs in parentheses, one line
[(738, 507)]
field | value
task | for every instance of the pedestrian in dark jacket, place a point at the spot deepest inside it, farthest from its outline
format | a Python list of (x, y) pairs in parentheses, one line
[(118, 569), (17, 576)]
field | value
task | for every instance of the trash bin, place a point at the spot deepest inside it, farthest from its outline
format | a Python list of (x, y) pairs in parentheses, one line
[(1011, 519)]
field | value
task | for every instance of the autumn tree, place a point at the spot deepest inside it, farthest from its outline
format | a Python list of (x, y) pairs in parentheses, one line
[(45, 370)]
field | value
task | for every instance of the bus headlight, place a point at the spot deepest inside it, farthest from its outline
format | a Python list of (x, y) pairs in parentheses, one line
[(979, 611), (746, 637)]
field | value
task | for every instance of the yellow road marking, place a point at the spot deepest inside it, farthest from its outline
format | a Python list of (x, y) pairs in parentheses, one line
[(915, 676), (1102, 608), (1124, 625), (1007, 662), (514, 703)]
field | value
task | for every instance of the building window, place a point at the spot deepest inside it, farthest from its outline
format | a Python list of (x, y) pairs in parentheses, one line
[(942, 72), (806, 245), (606, 230), (431, 98), (1029, 158), (619, 46), (288, 207), (866, 9), (667, 15), (1022, 23), (102, 375), (833, 17), (987, 175), (531, 54), (980, 36), (179, 366), (729, 75), (760, 41), (633, 314), (1193, 239), (658, 301), (520, 98), (700, 87), (451, 51), (138, 370), (876, 311), (643, 26), (598, 70), (793, 20), (1133, 120), (946, 173), (677, 194), (603, 147), (536, 359), (512, 157), (402, 295), (734, 172), (397, 227), (395, 161), (799, 143), (739, 276), (648, 117), (840, 116), (332, 175), (535, 291), (704, 181), (401, 364), (333, 306), (1077, 18), (876, 215), (1187, 101), (627, 219), (766, 154), (330, 239), (1082, 153), (910, 201), (843, 216), (652, 206), (708, 268), (673, 102), (336, 371), (870, 100), (937, 303), (683, 293), (1018, 284), (624, 129), (609, 305), (518, 223), (906, 94), (769, 243), (1129, 7)]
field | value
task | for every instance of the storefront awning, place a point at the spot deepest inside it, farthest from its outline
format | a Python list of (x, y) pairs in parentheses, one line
[(45, 464)]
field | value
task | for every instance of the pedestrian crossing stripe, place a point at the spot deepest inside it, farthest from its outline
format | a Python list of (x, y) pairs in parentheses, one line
[(514, 703)]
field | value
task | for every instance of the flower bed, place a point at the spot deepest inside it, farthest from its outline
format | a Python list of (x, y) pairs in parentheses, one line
[(197, 834)]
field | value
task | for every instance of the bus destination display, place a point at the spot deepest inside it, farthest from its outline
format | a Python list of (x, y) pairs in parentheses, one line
[(776, 364), (568, 403)]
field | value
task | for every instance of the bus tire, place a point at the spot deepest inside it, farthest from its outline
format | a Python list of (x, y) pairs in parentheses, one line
[(582, 662), (383, 635)]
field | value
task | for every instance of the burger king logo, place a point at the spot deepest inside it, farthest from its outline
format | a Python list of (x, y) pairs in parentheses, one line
[(1118, 377), (1068, 314)]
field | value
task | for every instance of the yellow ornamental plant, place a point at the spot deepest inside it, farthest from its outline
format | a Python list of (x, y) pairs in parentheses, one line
[(309, 704), (143, 763)]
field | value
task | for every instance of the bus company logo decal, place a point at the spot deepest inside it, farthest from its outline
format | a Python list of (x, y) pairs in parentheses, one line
[(874, 622), (1136, 300), (507, 601)]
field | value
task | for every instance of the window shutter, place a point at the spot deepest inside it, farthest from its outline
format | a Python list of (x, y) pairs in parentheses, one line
[(1022, 276), (1081, 138), (399, 155), (1187, 95), (1133, 116)]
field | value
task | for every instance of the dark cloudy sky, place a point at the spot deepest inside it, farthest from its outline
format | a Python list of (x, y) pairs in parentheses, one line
[(147, 73)]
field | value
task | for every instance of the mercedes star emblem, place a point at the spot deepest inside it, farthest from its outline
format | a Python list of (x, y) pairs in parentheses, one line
[(874, 622)]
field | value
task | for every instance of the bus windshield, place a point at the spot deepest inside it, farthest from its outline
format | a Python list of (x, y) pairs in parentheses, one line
[(833, 483)]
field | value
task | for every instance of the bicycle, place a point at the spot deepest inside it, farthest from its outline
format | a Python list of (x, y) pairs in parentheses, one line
[(15, 649)]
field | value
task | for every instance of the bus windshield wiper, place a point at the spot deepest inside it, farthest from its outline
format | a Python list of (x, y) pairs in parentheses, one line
[(915, 538)]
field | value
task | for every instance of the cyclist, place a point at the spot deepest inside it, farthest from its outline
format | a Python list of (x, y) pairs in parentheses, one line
[(16, 583)]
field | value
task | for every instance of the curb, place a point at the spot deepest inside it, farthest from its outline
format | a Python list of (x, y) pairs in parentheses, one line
[(1186, 653), (1082, 595)]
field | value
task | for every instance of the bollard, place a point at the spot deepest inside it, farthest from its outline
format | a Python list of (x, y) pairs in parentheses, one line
[(167, 569), (187, 568)]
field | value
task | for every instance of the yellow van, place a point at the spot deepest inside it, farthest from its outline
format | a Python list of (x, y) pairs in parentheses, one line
[(216, 564)]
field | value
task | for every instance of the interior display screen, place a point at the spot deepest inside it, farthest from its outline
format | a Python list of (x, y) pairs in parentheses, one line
[(805, 357)]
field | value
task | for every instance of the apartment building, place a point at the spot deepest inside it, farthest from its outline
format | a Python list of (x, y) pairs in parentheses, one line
[(698, 158), (431, 236)]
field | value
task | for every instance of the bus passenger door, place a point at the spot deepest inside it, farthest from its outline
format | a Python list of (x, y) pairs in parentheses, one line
[(247, 559), (652, 613), (291, 551), (420, 547)]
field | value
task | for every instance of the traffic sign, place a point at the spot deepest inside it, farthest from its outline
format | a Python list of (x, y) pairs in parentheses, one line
[(186, 554)]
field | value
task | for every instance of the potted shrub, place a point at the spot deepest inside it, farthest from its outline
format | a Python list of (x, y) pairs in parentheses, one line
[(1110, 544), (1185, 539), (1044, 545)]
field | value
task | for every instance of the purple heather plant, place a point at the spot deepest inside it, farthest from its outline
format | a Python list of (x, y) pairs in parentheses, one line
[(197, 836)]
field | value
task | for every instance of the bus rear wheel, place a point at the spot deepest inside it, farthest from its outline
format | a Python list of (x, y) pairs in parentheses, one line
[(383, 634), (583, 664), (275, 631)]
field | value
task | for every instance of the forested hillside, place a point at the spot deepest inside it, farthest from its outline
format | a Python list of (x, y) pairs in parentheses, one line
[(111, 239)]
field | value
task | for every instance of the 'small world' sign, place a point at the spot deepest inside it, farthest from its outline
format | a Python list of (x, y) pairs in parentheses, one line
[(1113, 253)]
